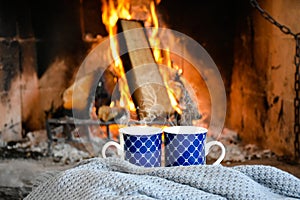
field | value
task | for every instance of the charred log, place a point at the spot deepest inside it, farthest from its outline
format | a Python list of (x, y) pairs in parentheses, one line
[(146, 85)]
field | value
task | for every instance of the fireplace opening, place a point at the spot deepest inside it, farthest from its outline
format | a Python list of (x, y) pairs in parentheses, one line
[(43, 46)]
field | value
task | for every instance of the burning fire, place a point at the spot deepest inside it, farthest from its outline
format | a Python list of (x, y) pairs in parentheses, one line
[(112, 11), (110, 16)]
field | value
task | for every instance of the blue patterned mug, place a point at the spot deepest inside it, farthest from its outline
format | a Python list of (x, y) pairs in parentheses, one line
[(185, 145), (140, 145)]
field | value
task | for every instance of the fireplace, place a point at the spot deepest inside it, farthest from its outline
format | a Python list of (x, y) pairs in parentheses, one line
[(43, 45)]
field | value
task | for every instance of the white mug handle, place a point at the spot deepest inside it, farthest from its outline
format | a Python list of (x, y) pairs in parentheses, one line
[(115, 144), (212, 143)]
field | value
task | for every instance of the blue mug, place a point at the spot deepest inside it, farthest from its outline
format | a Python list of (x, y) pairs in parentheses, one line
[(185, 145), (140, 145)]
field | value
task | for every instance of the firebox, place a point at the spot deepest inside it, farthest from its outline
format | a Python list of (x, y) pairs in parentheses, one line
[(44, 44)]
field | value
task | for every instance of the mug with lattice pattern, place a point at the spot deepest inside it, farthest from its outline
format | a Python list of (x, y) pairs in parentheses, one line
[(186, 145), (140, 145)]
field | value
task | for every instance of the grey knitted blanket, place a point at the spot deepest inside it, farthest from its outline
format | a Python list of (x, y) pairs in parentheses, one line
[(112, 178)]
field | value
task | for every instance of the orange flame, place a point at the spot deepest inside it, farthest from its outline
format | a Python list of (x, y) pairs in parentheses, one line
[(110, 16), (155, 41), (111, 12)]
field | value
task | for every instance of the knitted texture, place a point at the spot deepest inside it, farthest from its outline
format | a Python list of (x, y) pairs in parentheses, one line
[(113, 178)]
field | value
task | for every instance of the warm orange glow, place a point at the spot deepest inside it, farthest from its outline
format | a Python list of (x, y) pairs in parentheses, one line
[(111, 12), (168, 58), (123, 9), (177, 68), (112, 104), (157, 2), (154, 40), (110, 16)]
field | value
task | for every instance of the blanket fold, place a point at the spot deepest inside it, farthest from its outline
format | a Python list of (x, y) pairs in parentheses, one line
[(113, 178)]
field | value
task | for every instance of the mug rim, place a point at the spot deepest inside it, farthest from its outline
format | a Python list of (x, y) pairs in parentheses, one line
[(185, 130), (140, 130)]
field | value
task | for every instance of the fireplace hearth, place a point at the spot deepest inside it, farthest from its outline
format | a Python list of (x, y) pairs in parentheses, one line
[(43, 46)]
